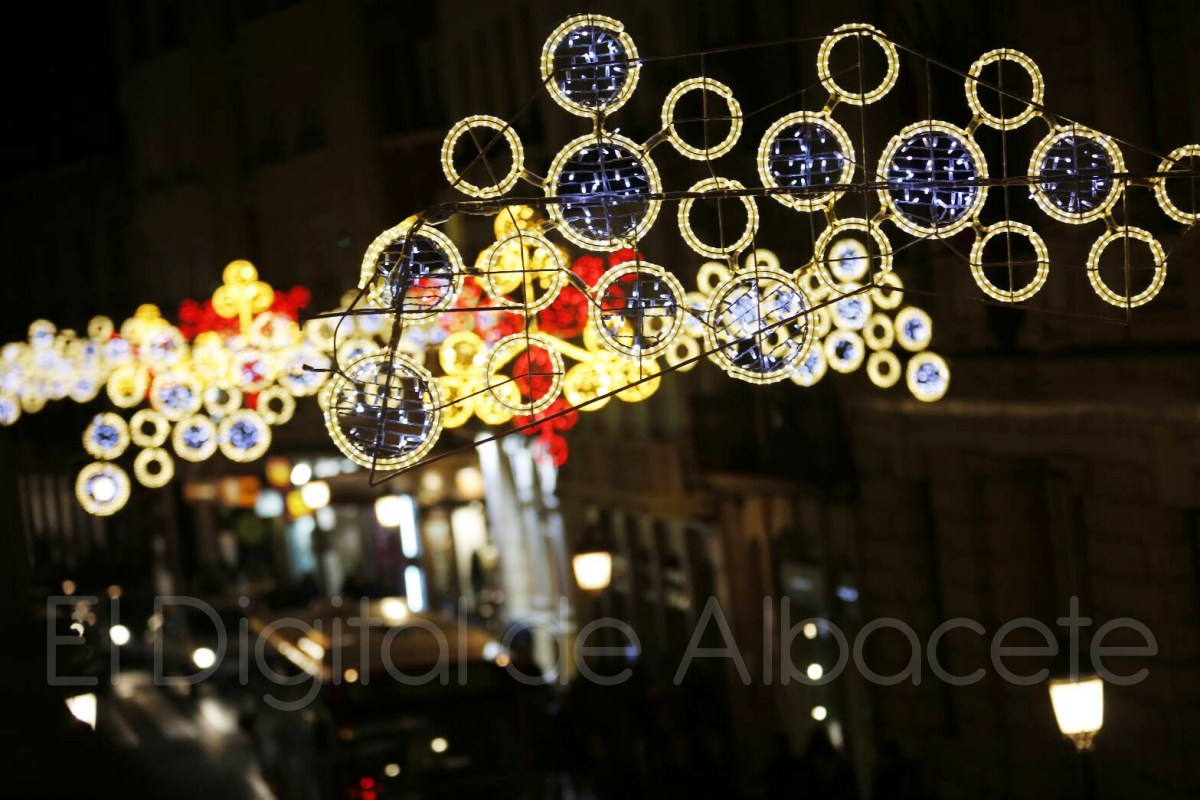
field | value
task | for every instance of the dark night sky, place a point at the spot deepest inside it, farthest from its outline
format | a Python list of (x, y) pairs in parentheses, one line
[(61, 91)]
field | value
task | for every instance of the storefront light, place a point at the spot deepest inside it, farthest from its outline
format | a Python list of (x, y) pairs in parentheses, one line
[(301, 473), (269, 504), (390, 510), (315, 494)]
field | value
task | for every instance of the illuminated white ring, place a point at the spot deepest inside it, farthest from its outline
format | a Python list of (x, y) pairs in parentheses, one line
[(675, 320), (10, 409), (683, 354), (685, 223), (253, 453), (981, 173), (850, 291), (369, 279), (927, 395), (875, 364), (353, 375), (761, 258), (127, 385), (149, 417), (100, 328), (1010, 295), (505, 184), (837, 231), (1160, 185), (547, 63), (812, 201), (1035, 77), (287, 405), (501, 355), (836, 362), (457, 409), (121, 487), (176, 380), (654, 187), (695, 308), (166, 468), (102, 451), (814, 286), (735, 119), (878, 333), (710, 276), (186, 451), (584, 384), (218, 407), (810, 377), (901, 324), (822, 322), (718, 340), (826, 73), (888, 292), (1115, 160), (1156, 281), (557, 272)]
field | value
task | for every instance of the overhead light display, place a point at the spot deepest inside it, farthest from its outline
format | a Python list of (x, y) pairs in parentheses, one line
[(563, 312), (215, 382), (760, 320)]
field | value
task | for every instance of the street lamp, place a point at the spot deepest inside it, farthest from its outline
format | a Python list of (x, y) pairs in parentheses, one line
[(1079, 708), (1078, 702), (592, 563), (593, 570)]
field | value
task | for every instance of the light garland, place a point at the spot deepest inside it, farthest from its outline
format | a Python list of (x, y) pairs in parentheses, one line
[(384, 411), (1041, 265), (825, 70), (244, 436), (414, 265), (1157, 280), (883, 369), (154, 468), (804, 151), (106, 436), (917, 164), (465, 126), (640, 309), (928, 377), (276, 406), (1037, 90), (683, 147), (854, 261), (1063, 151), (713, 185), (149, 428), (914, 329), (589, 50), (195, 438), (102, 488), (535, 338), (1168, 165), (597, 207)]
